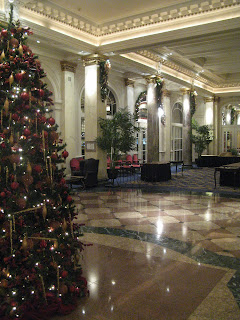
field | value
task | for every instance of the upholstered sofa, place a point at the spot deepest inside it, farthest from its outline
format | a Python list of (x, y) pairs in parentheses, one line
[(86, 170)]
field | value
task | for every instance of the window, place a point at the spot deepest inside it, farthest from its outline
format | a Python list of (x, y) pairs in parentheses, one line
[(111, 103), (176, 132), (231, 128)]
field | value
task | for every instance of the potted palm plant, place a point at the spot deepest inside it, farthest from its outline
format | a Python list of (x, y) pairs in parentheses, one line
[(201, 138), (117, 136)]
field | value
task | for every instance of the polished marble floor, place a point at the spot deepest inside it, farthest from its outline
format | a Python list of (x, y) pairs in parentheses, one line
[(159, 256)]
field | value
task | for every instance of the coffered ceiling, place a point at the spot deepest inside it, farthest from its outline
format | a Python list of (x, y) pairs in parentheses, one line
[(191, 42)]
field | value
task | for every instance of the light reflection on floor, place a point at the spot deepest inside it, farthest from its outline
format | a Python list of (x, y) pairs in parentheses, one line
[(131, 278)]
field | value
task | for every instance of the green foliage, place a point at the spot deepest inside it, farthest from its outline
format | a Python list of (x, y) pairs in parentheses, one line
[(159, 85), (118, 134), (234, 152), (201, 138), (192, 102), (104, 70)]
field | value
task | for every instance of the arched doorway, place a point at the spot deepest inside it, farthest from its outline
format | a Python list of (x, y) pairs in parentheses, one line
[(231, 128), (141, 116), (176, 132)]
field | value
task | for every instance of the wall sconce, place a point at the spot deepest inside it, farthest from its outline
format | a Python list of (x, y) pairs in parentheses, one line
[(161, 115)]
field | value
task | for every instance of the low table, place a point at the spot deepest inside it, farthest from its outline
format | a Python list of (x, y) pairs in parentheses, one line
[(229, 175), (156, 171), (79, 180)]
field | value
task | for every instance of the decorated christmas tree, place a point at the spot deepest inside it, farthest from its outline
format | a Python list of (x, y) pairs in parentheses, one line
[(39, 244)]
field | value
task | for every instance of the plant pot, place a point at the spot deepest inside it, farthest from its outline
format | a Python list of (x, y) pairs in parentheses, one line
[(112, 173)]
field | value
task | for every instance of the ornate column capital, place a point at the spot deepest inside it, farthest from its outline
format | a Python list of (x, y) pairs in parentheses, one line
[(208, 99), (211, 99), (129, 82), (166, 93), (68, 66), (94, 58), (185, 90), (153, 78)]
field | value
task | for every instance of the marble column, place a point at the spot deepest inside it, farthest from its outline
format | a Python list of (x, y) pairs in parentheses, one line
[(187, 127), (209, 118), (217, 121), (167, 126), (130, 103), (69, 109), (152, 121), (94, 109)]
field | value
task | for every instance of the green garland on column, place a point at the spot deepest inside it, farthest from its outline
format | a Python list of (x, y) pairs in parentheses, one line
[(159, 85), (104, 70), (192, 101)]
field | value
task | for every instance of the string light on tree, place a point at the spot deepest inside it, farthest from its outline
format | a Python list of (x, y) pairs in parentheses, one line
[(36, 230)]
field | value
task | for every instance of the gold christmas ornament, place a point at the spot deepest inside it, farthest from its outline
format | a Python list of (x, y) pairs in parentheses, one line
[(55, 244), (2, 56), (24, 243), (44, 212), (29, 168), (11, 79), (64, 225), (6, 106), (20, 49), (11, 139)]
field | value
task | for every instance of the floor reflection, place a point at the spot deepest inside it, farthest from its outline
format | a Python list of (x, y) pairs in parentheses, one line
[(159, 256)]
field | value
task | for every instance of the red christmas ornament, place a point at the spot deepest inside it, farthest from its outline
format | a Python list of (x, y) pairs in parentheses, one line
[(3, 145), (51, 121), (72, 289), (62, 181), (45, 134), (14, 158), (24, 96), (21, 203), (25, 47), (26, 106), (14, 185), (15, 116), (19, 76), (41, 92), (64, 274), (43, 119), (54, 156), (37, 168), (13, 30), (2, 194), (35, 135), (69, 199), (27, 132), (14, 42), (43, 244), (65, 154), (4, 33)]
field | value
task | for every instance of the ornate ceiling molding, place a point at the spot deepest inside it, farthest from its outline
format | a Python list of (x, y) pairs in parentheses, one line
[(192, 74), (175, 67), (149, 19)]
